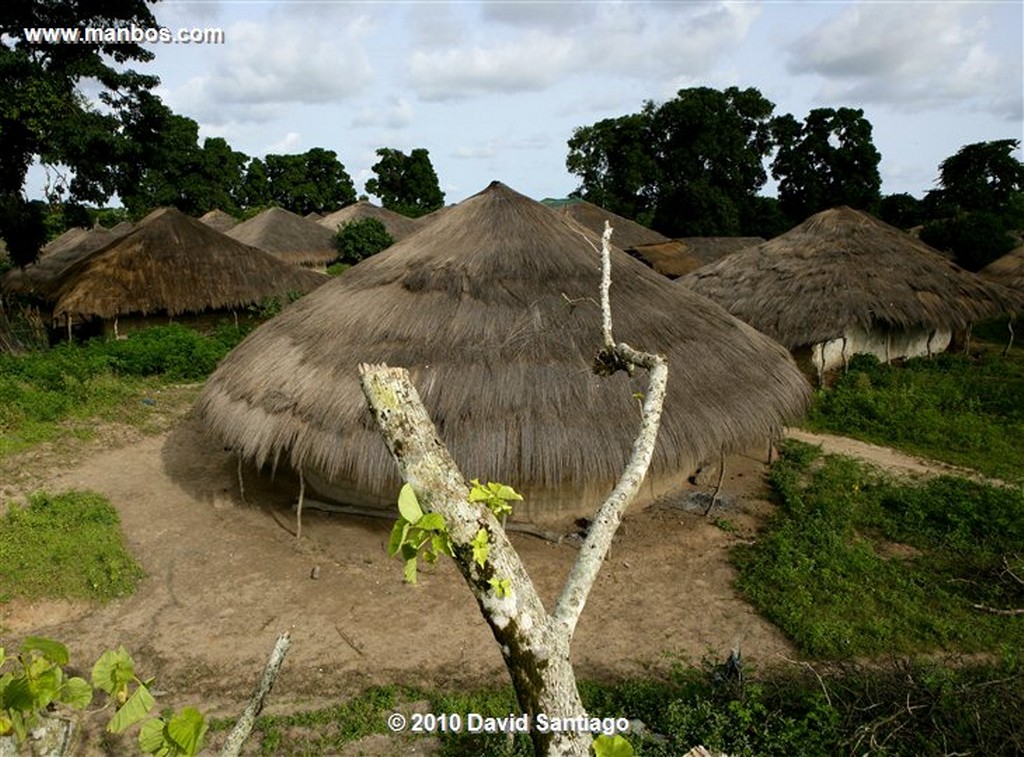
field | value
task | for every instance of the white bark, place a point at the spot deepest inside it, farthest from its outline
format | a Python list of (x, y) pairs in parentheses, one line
[(242, 729), (535, 644)]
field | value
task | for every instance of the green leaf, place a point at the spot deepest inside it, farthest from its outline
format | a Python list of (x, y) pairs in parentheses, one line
[(52, 650), (76, 692), (481, 547), (442, 544), (113, 671), (398, 532), (508, 493), (6, 724), (612, 746), (29, 694), (502, 587), (432, 522), (187, 729), (479, 492), (2, 656), (131, 712), (410, 570), (152, 739), (408, 505)]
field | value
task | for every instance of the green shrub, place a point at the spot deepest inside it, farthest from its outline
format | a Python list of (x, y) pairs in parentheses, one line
[(358, 240)]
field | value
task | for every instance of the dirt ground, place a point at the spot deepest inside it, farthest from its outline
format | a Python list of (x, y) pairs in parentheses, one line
[(225, 577)]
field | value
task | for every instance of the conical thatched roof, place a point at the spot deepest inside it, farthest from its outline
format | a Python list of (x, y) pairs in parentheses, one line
[(219, 220), (398, 226), (290, 237), (175, 264), (58, 256), (493, 309), (627, 233), (1007, 270), (677, 257), (840, 269)]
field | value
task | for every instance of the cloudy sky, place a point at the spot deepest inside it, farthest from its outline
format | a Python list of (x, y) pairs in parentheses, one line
[(494, 89)]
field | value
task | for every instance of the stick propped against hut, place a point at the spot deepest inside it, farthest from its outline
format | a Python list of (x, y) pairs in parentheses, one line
[(492, 309)]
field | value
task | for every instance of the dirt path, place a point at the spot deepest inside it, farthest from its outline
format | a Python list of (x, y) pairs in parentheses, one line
[(224, 578)]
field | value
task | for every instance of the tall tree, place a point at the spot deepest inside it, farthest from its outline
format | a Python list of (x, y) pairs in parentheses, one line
[(690, 166), (315, 181), (44, 116), (828, 160), (979, 201), (406, 184)]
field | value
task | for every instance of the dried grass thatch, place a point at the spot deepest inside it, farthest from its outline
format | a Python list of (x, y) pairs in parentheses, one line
[(677, 257), (397, 225), (58, 256), (288, 236), (627, 233), (843, 269), (1007, 270), (493, 309), (219, 220), (171, 263)]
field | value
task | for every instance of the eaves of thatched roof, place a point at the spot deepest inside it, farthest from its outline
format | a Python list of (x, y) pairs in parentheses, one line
[(493, 308), (677, 257), (844, 269), (171, 263), (1007, 270), (291, 237), (627, 233), (58, 256), (397, 225)]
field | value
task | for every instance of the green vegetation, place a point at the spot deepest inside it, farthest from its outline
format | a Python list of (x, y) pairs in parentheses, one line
[(41, 392), (962, 410), (358, 240), (856, 564), (65, 545)]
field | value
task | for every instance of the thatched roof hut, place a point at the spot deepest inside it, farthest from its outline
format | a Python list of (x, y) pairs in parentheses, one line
[(627, 233), (493, 309), (1007, 270), (219, 220), (289, 237), (58, 256), (677, 257), (397, 225), (844, 282), (171, 263)]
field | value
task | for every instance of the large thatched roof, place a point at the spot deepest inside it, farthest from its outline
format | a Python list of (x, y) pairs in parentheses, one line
[(627, 233), (58, 256), (291, 237), (398, 226), (840, 269), (677, 257), (175, 264), (493, 309), (1007, 270)]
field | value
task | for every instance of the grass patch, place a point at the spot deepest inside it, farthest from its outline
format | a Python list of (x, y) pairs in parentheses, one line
[(65, 546), (856, 564), (44, 393), (893, 708), (962, 410)]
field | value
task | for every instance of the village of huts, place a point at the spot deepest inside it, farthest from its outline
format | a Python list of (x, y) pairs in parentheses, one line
[(492, 308)]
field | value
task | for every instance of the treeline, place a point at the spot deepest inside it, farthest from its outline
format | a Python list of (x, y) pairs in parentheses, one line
[(696, 165)]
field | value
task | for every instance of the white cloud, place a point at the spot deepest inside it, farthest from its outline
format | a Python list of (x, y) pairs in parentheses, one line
[(912, 56), (287, 145), (396, 113)]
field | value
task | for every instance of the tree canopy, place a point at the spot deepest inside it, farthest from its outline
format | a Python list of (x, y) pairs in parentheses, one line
[(44, 116), (314, 181), (360, 239), (406, 184)]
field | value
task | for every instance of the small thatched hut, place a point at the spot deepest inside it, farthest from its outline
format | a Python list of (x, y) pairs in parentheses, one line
[(289, 237), (1007, 270), (843, 282), (171, 264), (58, 256), (627, 233), (219, 220), (397, 225), (493, 309), (677, 257)]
